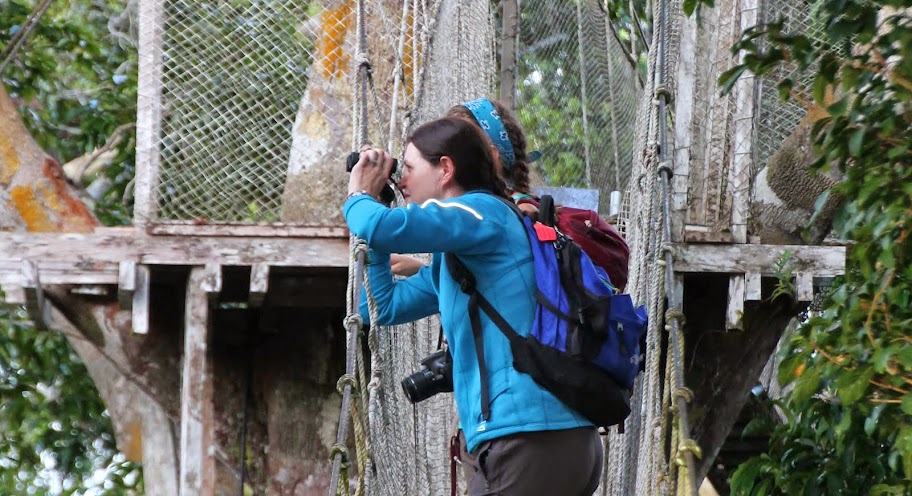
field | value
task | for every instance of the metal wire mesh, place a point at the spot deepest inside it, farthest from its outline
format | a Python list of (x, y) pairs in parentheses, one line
[(777, 118), (233, 74), (577, 96)]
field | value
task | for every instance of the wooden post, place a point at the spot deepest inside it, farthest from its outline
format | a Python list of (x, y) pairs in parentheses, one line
[(126, 284), (259, 284), (804, 286), (197, 463), (683, 125), (148, 111), (742, 141), (752, 291), (734, 310), (141, 300), (508, 55)]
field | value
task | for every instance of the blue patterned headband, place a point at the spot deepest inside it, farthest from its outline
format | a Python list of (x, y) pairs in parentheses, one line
[(491, 123)]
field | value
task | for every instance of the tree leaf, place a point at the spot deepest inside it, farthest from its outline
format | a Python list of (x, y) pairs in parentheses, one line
[(851, 386), (906, 404), (807, 385)]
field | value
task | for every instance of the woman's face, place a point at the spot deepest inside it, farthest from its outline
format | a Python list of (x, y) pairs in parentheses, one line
[(421, 180)]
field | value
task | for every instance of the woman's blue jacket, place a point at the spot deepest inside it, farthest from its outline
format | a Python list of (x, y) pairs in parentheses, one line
[(487, 236)]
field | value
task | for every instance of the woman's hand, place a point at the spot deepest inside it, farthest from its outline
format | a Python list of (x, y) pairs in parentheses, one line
[(402, 265), (371, 172)]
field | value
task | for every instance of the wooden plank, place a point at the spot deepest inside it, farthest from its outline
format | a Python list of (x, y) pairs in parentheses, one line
[(752, 290), (683, 123), (279, 230), (34, 295), (734, 308), (742, 139), (212, 280), (738, 259), (259, 284), (141, 300), (58, 272), (148, 111), (126, 284), (804, 286), (197, 465), (92, 249)]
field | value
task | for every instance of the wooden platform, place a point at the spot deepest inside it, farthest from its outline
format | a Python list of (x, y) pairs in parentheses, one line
[(747, 264)]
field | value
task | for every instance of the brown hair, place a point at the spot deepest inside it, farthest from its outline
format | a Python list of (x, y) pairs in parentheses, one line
[(467, 147), (518, 175)]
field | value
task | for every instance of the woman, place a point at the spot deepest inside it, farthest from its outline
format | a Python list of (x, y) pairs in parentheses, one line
[(529, 443), (511, 157)]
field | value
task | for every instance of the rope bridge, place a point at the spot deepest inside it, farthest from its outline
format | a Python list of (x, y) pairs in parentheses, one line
[(227, 88)]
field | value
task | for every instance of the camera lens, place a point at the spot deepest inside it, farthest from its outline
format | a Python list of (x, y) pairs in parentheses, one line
[(419, 386)]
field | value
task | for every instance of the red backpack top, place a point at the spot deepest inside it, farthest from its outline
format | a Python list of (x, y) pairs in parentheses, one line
[(602, 242)]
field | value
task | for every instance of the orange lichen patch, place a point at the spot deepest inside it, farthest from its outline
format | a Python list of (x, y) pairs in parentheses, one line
[(31, 210), (75, 215), (134, 440), (332, 57), (409, 56), (9, 159)]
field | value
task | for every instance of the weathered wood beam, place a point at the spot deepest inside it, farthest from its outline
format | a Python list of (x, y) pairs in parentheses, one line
[(140, 305), (734, 310), (149, 111), (762, 259), (743, 132), (259, 284), (126, 284), (197, 463), (212, 281), (752, 286), (57, 272), (683, 123), (34, 295), (248, 231), (90, 249), (804, 286)]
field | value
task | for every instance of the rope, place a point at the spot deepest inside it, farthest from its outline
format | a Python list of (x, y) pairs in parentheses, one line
[(676, 338), (348, 381)]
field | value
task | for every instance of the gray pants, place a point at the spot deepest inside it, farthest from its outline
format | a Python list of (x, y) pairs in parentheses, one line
[(547, 463)]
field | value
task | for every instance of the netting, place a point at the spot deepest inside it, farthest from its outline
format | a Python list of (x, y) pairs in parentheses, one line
[(776, 118), (232, 77), (577, 96)]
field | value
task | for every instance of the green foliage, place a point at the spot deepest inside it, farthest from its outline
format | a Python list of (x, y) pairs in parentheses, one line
[(849, 427), (74, 82), (550, 89), (55, 435)]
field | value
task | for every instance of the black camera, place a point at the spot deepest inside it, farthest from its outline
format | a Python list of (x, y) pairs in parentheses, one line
[(386, 196), (435, 377)]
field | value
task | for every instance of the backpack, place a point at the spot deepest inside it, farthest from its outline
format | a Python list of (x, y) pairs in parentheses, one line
[(584, 345), (602, 242)]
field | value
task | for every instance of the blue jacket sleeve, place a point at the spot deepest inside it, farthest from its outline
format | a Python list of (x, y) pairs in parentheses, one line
[(398, 301), (455, 225)]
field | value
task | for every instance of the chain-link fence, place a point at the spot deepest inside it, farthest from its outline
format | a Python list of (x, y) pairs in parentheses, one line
[(778, 118), (233, 73), (577, 95)]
